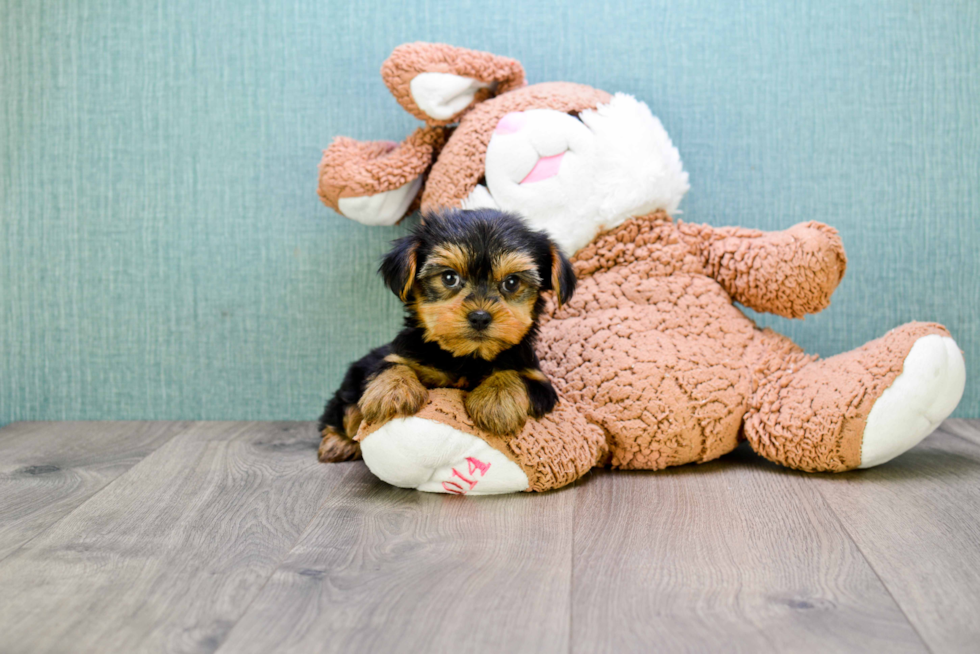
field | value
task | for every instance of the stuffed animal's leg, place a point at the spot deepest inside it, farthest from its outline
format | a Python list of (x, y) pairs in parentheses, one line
[(855, 410), (440, 450)]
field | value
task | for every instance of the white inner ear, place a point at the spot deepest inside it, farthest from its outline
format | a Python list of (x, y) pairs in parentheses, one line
[(382, 208), (443, 95)]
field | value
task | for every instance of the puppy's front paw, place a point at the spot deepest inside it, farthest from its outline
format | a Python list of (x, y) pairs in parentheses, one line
[(395, 392), (500, 404)]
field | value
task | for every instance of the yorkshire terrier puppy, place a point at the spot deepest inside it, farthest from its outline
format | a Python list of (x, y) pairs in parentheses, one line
[(472, 284)]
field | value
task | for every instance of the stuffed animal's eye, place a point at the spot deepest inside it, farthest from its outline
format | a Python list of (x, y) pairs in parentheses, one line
[(510, 284), (450, 279)]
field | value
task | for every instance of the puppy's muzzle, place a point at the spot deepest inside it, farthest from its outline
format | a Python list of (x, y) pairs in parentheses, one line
[(479, 319)]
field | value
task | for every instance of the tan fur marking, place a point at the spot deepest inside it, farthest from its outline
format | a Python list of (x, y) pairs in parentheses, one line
[(511, 320), (430, 376), (336, 447), (535, 374), (510, 263), (396, 391), (410, 279), (445, 323), (556, 275), (500, 404), (450, 256), (352, 421)]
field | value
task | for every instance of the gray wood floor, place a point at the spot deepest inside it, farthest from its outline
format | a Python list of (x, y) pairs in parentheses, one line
[(230, 537)]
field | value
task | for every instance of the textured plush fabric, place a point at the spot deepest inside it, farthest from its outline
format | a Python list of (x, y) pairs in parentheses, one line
[(553, 451), (352, 168), (655, 353), (461, 164), (809, 414), (163, 253), (652, 349), (409, 60)]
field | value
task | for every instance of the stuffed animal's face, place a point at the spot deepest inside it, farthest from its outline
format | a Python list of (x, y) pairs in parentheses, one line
[(577, 175), (572, 160)]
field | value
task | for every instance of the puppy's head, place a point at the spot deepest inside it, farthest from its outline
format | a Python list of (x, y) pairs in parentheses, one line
[(473, 280)]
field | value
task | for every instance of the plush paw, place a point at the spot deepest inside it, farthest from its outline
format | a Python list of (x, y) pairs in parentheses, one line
[(385, 208), (499, 404), (436, 458), (927, 391), (395, 392)]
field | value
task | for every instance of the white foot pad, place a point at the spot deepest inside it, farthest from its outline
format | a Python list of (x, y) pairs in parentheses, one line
[(436, 458), (927, 391)]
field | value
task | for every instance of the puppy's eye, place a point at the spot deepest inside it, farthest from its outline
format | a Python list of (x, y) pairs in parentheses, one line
[(450, 279), (510, 283)]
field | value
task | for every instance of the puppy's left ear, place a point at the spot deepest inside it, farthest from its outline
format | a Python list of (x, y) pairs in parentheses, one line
[(562, 276), (399, 266)]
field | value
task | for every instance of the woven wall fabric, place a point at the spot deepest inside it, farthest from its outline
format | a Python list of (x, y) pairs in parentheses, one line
[(163, 253)]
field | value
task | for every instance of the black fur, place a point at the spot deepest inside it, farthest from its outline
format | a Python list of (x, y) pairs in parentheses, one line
[(483, 234)]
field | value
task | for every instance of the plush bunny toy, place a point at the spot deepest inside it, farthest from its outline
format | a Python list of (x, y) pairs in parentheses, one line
[(654, 363)]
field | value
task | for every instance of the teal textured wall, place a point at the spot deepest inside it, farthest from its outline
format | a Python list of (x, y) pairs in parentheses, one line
[(163, 253)]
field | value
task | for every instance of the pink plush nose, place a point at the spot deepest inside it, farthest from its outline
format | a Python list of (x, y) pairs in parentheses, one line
[(510, 123)]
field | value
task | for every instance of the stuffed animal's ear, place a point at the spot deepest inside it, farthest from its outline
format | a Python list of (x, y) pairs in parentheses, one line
[(562, 276), (437, 83), (399, 266), (376, 182)]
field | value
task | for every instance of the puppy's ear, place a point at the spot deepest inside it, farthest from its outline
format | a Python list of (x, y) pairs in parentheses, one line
[(562, 276), (399, 266)]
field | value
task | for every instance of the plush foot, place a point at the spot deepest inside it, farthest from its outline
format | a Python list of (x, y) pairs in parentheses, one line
[(921, 397), (857, 409), (430, 456)]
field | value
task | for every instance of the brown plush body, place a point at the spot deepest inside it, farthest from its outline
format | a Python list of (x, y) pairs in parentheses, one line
[(655, 364), (653, 351)]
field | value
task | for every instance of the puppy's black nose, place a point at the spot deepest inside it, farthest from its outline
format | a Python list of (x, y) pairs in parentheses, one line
[(479, 319)]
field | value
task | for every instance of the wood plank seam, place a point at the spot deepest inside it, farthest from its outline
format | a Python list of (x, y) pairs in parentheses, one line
[(962, 438), (843, 526), (571, 567), (339, 485), (177, 430), (242, 448)]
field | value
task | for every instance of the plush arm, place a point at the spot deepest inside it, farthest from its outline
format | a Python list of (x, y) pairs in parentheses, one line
[(789, 273), (376, 182)]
